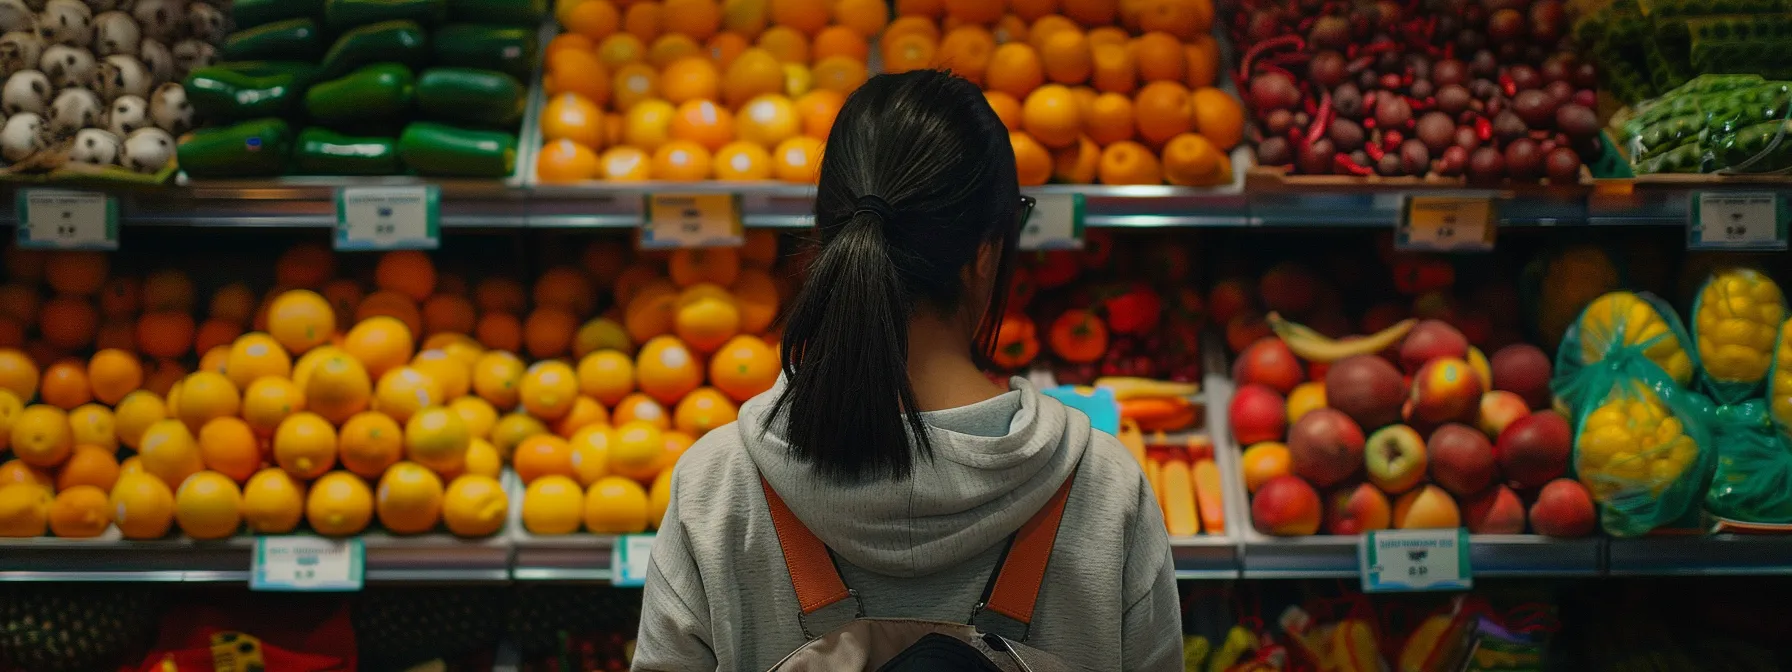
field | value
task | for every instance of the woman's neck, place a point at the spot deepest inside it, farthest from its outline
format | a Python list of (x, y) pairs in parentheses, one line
[(940, 367)]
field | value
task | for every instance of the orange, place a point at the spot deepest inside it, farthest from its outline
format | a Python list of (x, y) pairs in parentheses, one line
[(786, 44), (621, 49), (496, 377), (65, 384), (698, 19), (741, 160), (703, 122), (272, 502), (667, 370), (344, 297), (404, 391), (756, 295), (571, 41), (592, 19), (1182, 18), (600, 334), (1065, 57), (437, 438), (912, 25), (233, 302), (454, 314), (216, 335), (483, 459), (76, 273), (1006, 107), (1114, 68), (409, 499), (337, 388), (818, 109), (585, 411), (797, 79), (300, 320), (637, 450), (208, 506), (81, 512), (706, 323), (1014, 69), (339, 505), (967, 50), (87, 465), (228, 446), (380, 344), (1110, 119), (408, 272), (1108, 35), (754, 73), (579, 73), (1077, 164), (369, 443), (477, 413), (648, 124), (644, 20), (702, 410), (797, 160), (205, 395), (1129, 162), (930, 9), (632, 84), (1032, 163), (549, 389), (268, 401), (18, 374), (543, 455), (168, 290), (68, 322), (548, 332), (24, 510), (1047, 26), (1163, 111), (744, 17), (809, 16), (616, 505), (681, 161), (1218, 116), (163, 375), (1190, 160), (689, 78), (570, 116), (671, 47), (840, 73), (169, 452), (499, 331), (866, 17), (564, 287), (1010, 28), (391, 304), (142, 506), (717, 265), (1092, 12), (1050, 115), (553, 505), (724, 48), (841, 41), (760, 249), (677, 443), (304, 265), (305, 445), (512, 429), (1160, 57), (607, 376), (904, 53), (474, 506), (1031, 10), (590, 453), (136, 413), (93, 425), (254, 356), (17, 471), (768, 120), (641, 407), (973, 11), (1203, 61), (453, 374)]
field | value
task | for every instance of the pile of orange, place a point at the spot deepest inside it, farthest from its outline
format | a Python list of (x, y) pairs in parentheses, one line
[(700, 89), (333, 404)]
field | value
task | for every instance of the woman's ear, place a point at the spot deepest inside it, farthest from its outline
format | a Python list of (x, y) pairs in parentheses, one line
[(989, 261)]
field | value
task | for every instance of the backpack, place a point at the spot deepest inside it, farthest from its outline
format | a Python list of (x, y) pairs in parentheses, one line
[(991, 641)]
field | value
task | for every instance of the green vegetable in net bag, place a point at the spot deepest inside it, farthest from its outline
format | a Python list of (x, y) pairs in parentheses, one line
[(1753, 482)]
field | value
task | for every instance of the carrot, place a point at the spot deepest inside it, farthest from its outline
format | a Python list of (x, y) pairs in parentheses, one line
[(1154, 474), (1207, 493), (1133, 440), (1179, 500), (1151, 408)]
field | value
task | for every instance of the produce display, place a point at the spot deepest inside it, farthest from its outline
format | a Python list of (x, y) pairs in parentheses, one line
[(1646, 48), (364, 87), (1727, 123), (93, 89), (1487, 90)]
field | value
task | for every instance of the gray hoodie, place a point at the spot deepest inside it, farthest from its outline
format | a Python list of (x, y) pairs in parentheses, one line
[(719, 597)]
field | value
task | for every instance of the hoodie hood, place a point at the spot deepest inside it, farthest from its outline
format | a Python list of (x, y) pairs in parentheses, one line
[(973, 494)]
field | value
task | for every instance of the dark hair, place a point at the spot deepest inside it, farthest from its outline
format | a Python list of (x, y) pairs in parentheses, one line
[(917, 177)]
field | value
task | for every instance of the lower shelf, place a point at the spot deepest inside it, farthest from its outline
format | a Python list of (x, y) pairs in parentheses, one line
[(1491, 556)]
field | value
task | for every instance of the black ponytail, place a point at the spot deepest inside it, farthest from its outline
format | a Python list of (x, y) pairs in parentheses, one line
[(917, 178)]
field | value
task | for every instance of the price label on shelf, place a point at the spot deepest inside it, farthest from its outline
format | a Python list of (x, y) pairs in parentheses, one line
[(1445, 224), (301, 563), (629, 560), (692, 220), (67, 220), (388, 218), (1732, 220), (1414, 560), (1056, 223)]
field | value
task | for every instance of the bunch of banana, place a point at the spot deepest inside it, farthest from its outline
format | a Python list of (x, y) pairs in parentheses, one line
[(1156, 405), (1316, 347)]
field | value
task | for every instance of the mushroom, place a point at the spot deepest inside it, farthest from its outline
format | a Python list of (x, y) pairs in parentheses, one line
[(148, 150), (96, 146), (25, 91), (76, 108)]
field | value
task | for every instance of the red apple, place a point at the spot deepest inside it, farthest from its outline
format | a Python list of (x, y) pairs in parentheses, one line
[(1286, 506), (1499, 409), (1494, 511), (1523, 369), (1395, 458), (1431, 339), (1366, 388), (1257, 414), (1357, 510), (1461, 459), (1269, 361), (1534, 449), (1563, 509), (1445, 390), (1325, 447)]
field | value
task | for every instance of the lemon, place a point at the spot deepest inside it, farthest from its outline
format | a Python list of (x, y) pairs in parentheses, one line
[(340, 504), (475, 506), (616, 505), (553, 505), (409, 498), (273, 502), (208, 506)]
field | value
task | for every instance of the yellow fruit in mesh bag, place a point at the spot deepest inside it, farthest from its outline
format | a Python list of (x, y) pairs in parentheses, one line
[(1632, 441), (1627, 319), (1737, 321), (1779, 390)]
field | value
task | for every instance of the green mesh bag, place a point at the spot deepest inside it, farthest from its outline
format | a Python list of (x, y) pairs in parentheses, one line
[(1735, 322), (1753, 482)]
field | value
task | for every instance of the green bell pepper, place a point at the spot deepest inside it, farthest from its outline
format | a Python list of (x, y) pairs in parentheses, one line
[(507, 49), (345, 14), (445, 151), (322, 151), (257, 148), (387, 41), (466, 95), (510, 12), (252, 13), (293, 39), (248, 90), (377, 93)]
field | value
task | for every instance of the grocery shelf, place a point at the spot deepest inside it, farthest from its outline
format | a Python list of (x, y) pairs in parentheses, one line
[(428, 558), (1718, 555)]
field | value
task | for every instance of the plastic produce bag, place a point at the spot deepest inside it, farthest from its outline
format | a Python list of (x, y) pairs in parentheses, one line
[(1728, 123), (1626, 323), (1753, 482), (1779, 380), (1736, 322)]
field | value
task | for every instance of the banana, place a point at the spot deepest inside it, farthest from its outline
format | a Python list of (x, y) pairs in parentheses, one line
[(1125, 388), (1316, 347), (1194, 652)]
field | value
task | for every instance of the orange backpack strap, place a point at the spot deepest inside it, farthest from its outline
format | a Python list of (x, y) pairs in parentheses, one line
[(812, 572), (1016, 586)]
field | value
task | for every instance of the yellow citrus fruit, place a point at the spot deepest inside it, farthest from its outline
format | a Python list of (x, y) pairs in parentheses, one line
[(170, 452), (454, 375), (553, 505), (549, 390), (88, 465), (305, 445), (659, 498), (9, 412), (136, 413), (229, 447), (369, 443), (131, 465), (336, 386), (381, 343), (667, 370), (307, 363), (636, 451), (437, 438), (404, 391), (273, 502), (475, 506), (641, 407), (705, 323), (142, 506), (339, 504), (301, 320), (477, 413), (585, 411), (600, 334), (80, 512), (591, 453), (270, 400), (496, 377), (616, 505), (704, 409), (607, 376), (409, 498), (512, 430), (93, 425), (255, 355), (205, 395), (41, 436), (483, 459), (24, 510), (208, 506)]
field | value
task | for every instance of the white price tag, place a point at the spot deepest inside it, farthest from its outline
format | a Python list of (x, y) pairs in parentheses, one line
[(692, 220), (1056, 223), (1730, 220), (300, 563), (67, 220), (629, 560), (1408, 560), (388, 218), (1445, 224)]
